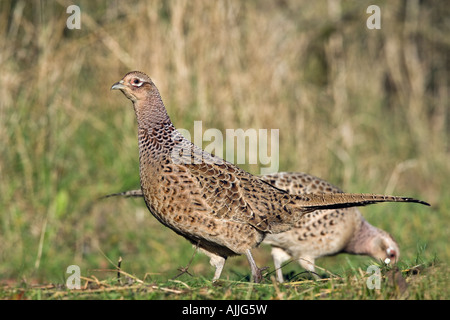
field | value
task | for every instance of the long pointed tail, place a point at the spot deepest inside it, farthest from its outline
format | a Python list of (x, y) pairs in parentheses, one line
[(312, 202)]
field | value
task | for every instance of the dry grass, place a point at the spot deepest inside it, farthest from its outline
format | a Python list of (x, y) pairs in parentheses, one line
[(366, 109)]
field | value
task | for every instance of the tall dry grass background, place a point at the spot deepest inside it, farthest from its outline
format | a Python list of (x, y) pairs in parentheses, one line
[(366, 109)]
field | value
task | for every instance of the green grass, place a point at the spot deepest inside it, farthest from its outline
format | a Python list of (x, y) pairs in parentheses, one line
[(366, 110)]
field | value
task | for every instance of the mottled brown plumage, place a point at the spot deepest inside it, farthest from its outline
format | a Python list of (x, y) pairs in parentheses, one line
[(209, 201)]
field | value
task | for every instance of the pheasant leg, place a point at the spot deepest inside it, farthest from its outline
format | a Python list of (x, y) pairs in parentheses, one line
[(256, 271)]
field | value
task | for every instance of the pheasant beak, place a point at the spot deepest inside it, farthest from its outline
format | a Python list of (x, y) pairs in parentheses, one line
[(118, 85)]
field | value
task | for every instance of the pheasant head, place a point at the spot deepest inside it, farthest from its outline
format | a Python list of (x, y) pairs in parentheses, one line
[(385, 248), (140, 89), (135, 86)]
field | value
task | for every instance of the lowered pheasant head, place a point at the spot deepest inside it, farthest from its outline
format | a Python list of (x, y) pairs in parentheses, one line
[(374, 242), (383, 247)]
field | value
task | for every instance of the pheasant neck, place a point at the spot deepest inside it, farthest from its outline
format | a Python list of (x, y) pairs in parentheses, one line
[(151, 113), (360, 242), (155, 132)]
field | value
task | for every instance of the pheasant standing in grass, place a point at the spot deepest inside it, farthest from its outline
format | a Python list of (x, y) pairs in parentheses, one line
[(322, 232), (325, 232), (221, 208)]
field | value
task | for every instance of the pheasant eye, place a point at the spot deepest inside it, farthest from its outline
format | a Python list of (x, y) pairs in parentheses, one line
[(136, 82)]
